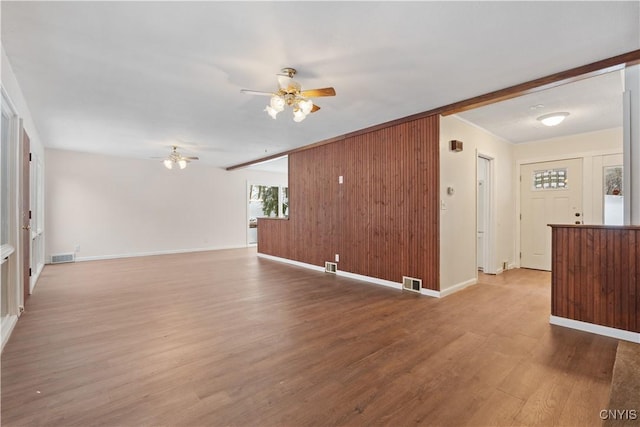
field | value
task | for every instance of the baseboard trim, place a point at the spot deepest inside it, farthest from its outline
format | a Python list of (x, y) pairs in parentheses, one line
[(7, 329), (430, 293), (292, 262), (458, 287), (167, 252), (340, 273), (595, 329), (374, 280)]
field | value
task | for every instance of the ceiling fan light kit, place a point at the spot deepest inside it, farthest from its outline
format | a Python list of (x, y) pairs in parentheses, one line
[(169, 163), (176, 158), (290, 94)]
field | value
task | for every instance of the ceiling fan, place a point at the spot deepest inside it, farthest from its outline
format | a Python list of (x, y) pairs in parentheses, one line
[(175, 158), (290, 94)]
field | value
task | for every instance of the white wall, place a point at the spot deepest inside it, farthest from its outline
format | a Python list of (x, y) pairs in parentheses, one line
[(592, 143), (15, 295), (10, 84), (12, 88), (458, 222), (112, 206)]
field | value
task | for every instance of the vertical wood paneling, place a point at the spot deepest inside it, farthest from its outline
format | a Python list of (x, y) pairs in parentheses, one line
[(595, 275), (384, 219)]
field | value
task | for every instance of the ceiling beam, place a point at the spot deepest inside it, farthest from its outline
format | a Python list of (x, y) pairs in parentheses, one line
[(543, 83), (608, 65)]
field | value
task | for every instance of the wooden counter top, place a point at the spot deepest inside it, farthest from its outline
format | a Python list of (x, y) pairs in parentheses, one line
[(606, 227)]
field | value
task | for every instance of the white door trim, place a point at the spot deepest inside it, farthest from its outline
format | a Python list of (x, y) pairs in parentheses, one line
[(15, 295), (490, 235)]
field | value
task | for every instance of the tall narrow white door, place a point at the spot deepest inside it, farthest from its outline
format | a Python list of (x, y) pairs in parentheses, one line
[(551, 193), (480, 224), (482, 214)]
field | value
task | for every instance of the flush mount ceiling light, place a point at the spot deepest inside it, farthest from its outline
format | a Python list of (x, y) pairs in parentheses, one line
[(552, 119), (176, 158), (290, 94)]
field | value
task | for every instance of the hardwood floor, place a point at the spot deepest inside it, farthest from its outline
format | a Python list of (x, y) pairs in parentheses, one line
[(226, 338)]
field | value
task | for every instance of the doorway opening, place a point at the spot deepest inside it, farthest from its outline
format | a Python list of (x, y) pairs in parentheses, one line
[(484, 214), (267, 201)]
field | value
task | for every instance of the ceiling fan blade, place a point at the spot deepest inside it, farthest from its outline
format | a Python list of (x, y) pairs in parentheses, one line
[(255, 92), (313, 93), (190, 158), (314, 108)]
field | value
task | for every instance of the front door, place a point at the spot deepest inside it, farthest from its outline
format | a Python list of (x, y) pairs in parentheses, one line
[(551, 193)]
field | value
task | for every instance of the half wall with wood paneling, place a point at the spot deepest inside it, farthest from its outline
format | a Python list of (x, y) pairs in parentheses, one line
[(596, 275), (383, 220)]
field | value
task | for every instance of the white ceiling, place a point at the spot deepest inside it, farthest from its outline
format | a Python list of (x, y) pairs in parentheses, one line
[(134, 78), (592, 104)]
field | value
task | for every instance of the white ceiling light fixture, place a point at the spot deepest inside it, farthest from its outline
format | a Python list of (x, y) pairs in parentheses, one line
[(176, 158), (290, 94), (553, 119)]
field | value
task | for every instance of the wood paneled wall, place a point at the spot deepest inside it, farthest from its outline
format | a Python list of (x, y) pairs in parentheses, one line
[(383, 220), (596, 275)]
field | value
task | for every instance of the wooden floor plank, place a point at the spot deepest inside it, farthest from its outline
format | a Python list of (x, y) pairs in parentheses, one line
[(225, 338)]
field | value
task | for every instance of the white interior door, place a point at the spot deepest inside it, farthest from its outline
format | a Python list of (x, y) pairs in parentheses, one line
[(482, 214), (550, 193), (480, 226)]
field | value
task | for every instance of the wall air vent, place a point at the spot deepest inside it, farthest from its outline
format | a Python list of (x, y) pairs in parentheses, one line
[(411, 284), (60, 258), (330, 267)]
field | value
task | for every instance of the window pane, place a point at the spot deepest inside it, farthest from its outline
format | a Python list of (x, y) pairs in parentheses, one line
[(550, 179), (285, 201), (613, 197)]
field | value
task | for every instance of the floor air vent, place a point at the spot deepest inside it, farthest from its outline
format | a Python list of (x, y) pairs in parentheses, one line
[(330, 267), (411, 284), (60, 258)]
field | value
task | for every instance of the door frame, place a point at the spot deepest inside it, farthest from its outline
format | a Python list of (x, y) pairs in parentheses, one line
[(14, 257), (248, 214), (268, 183), (24, 217), (490, 266)]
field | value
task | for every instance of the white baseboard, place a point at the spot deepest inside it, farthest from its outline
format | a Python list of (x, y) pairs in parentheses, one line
[(368, 279), (595, 329), (7, 329), (292, 262), (457, 287), (430, 293), (340, 273), (374, 280), (166, 252)]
